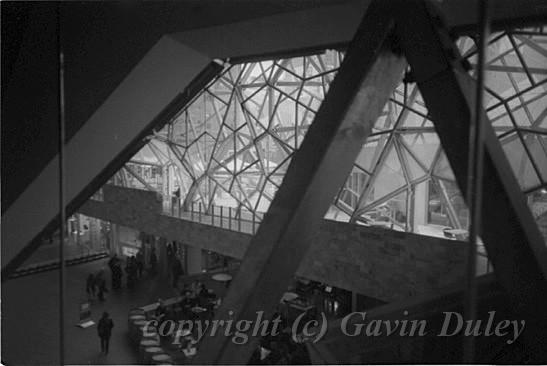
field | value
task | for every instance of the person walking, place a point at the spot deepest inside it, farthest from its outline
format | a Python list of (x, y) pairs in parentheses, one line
[(177, 271), (101, 285), (115, 271), (140, 263), (90, 286), (104, 329), (131, 270), (153, 262)]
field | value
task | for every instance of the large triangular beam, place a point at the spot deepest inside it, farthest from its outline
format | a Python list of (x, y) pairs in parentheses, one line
[(511, 237), (510, 234), (345, 119)]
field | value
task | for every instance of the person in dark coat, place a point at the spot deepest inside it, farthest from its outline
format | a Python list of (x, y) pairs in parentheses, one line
[(131, 270), (140, 263), (104, 329), (101, 285), (115, 268), (117, 275), (153, 261), (90, 285), (177, 271)]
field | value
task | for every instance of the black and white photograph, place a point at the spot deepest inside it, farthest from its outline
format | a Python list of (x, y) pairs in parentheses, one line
[(273, 182)]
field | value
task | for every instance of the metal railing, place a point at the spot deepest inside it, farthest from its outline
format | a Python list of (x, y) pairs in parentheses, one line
[(245, 221), (231, 218)]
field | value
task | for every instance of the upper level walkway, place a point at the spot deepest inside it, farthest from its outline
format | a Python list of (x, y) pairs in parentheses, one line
[(242, 220), (384, 264)]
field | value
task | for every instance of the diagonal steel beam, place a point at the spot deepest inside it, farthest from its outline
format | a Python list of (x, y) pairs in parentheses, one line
[(512, 239), (367, 77)]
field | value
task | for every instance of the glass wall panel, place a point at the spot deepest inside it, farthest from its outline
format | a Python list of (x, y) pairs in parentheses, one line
[(231, 145)]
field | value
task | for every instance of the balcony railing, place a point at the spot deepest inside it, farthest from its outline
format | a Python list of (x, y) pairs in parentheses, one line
[(231, 218)]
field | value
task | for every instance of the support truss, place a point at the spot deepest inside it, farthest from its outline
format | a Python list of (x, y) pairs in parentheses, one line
[(368, 75), (512, 239)]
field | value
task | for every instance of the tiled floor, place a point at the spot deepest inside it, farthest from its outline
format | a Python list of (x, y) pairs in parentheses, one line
[(30, 318)]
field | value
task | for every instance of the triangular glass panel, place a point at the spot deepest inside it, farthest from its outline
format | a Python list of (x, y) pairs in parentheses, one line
[(412, 119), (336, 214), (315, 88), (413, 168), (520, 161), (389, 176), (353, 187), (500, 119), (537, 145), (423, 145), (285, 81), (223, 177), (370, 152), (222, 88)]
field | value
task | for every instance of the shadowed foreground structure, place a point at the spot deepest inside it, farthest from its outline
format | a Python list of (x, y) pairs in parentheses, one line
[(313, 156)]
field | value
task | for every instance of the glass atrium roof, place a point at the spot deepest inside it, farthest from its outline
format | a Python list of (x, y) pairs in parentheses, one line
[(232, 144)]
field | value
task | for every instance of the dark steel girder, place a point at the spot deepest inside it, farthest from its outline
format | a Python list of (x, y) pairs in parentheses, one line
[(512, 239), (367, 77)]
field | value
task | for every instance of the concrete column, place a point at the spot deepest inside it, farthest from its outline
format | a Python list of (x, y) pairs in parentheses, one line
[(194, 259), (162, 257), (115, 240), (421, 203)]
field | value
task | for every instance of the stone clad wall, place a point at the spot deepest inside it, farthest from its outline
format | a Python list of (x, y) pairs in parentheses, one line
[(384, 264), (142, 210), (390, 265)]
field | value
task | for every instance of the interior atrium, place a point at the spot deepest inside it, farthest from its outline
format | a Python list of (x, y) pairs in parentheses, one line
[(313, 162)]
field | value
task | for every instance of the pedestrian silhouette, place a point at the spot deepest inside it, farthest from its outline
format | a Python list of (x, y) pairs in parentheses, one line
[(104, 328)]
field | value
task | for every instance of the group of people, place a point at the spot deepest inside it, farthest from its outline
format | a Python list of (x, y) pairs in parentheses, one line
[(96, 285), (197, 294), (115, 265), (134, 268)]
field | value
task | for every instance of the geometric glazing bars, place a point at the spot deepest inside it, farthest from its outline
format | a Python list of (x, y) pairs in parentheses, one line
[(232, 144)]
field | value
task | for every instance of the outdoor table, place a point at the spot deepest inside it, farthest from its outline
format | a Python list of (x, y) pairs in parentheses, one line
[(288, 296), (151, 330), (161, 358), (150, 352), (136, 330), (132, 319), (136, 311), (167, 303), (222, 277), (154, 337), (144, 344)]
